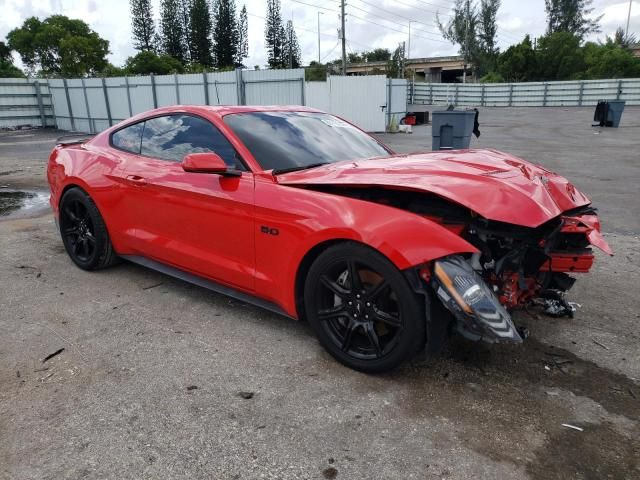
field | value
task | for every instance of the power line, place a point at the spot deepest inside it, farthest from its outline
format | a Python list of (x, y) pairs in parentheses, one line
[(389, 12), (386, 19), (314, 6), (396, 30)]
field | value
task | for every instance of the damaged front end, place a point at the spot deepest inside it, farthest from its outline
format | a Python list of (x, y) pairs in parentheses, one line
[(478, 312), (515, 267)]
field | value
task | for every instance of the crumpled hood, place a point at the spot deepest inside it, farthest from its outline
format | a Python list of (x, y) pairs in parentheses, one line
[(495, 185)]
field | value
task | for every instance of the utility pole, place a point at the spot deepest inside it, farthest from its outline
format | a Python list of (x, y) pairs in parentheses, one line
[(626, 32), (290, 45), (344, 39), (466, 49), (409, 46), (319, 13)]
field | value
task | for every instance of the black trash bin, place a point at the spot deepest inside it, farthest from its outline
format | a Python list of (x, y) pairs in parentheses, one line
[(608, 113), (616, 107), (452, 129)]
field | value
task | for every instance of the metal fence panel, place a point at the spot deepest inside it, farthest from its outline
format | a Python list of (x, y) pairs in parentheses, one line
[(141, 93), (222, 88), (530, 94), (318, 95), (119, 98), (273, 87), (25, 102), (361, 100)]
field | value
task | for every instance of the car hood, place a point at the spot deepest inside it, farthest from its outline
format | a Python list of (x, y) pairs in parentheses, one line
[(495, 185)]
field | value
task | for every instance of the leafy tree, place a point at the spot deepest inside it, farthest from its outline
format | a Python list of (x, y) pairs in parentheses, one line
[(622, 39), (571, 16), (462, 29), (172, 29), (518, 62), (396, 64), (243, 36), (487, 35), (5, 52), (186, 16), (147, 62), (225, 33), (377, 55), (143, 26), (492, 77), (274, 35), (112, 71), (200, 44), (59, 45), (610, 60), (291, 48), (559, 56), (354, 58), (7, 68), (315, 72)]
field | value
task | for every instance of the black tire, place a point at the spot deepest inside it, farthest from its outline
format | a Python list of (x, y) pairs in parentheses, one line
[(84, 233), (372, 326)]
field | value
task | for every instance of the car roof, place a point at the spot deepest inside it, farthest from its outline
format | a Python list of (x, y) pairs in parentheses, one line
[(222, 110)]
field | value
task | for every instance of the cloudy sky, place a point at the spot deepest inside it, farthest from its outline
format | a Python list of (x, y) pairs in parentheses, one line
[(370, 23)]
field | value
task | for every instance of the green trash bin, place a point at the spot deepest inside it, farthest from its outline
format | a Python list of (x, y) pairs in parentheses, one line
[(452, 129), (616, 107)]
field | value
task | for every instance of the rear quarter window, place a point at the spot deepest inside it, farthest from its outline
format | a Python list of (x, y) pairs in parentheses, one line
[(128, 138)]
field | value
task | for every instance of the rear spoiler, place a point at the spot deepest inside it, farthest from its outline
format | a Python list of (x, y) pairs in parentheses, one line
[(74, 138)]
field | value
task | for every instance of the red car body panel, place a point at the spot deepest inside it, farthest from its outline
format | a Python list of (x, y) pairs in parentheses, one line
[(496, 185), (252, 232)]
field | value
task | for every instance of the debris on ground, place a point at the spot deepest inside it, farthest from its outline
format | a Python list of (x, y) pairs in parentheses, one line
[(153, 286), (246, 395), (600, 344), (330, 473), (568, 425), (51, 355), (192, 387)]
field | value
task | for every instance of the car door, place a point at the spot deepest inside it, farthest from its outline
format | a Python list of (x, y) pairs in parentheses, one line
[(199, 222)]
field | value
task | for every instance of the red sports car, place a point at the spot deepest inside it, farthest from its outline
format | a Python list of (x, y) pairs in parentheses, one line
[(304, 214)]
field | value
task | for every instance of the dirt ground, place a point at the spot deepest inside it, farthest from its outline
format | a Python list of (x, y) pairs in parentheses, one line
[(161, 379)]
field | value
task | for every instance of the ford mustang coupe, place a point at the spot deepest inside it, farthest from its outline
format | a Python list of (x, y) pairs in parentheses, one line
[(302, 213)]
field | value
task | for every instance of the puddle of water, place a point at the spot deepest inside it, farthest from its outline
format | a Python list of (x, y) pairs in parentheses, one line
[(19, 203)]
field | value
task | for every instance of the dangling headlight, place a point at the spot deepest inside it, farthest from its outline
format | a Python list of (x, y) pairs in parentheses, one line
[(472, 301)]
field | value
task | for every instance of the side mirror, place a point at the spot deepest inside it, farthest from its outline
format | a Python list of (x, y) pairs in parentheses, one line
[(208, 162)]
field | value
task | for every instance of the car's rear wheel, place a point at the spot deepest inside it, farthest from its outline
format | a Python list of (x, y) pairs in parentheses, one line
[(83, 231), (362, 308)]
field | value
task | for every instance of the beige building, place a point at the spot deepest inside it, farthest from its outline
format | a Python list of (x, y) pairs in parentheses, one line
[(431, 69)]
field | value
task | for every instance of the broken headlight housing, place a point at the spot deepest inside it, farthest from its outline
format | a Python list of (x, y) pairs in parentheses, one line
[(478, 311)]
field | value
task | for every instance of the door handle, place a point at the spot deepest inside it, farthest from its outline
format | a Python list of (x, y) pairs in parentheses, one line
[(137, 180)]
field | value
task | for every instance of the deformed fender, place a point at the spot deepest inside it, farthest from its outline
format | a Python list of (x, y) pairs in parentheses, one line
[(405, 238)]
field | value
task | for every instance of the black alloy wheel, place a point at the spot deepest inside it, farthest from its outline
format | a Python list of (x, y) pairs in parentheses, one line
[(362, 308), (83, 231)]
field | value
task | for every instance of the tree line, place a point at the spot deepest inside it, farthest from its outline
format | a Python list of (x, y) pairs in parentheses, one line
[(191, 33), (560, 54), (201, 35), (190, 36)]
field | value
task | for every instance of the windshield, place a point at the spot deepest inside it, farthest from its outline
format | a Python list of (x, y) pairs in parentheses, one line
[(285, 141)]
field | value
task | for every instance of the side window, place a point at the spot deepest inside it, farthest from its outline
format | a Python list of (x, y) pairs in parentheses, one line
[(174, 136), (128, 138)]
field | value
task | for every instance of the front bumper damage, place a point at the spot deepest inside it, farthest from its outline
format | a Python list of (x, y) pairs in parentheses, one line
[(477, 310)]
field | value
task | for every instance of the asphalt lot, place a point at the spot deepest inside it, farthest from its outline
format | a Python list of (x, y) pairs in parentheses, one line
[(154, 373)]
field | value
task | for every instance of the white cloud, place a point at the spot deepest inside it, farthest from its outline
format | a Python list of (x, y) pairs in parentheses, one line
[(390, 19)]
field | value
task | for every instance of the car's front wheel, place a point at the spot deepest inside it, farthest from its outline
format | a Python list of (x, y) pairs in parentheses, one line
[(84, 232), (362, 308)]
